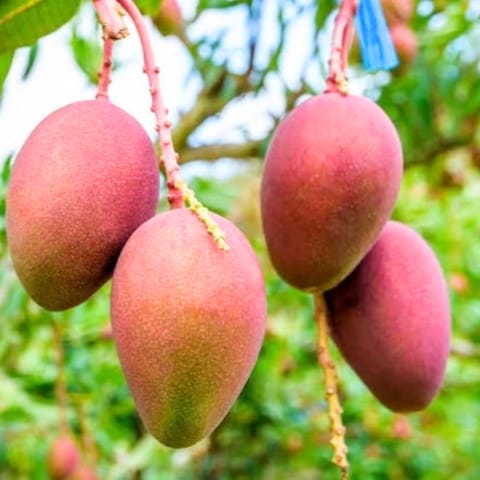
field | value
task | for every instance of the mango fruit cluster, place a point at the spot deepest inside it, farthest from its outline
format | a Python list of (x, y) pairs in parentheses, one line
[(330, 182), (188, 317)]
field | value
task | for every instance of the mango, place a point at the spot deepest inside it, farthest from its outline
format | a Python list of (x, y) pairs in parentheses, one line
[(63, 457), (169, 18), (398, 11), (83, 473), (188, 322), (390, 319), (405, 43), (331, 178), (84, 180)]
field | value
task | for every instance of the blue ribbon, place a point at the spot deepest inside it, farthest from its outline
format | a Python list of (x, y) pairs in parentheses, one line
[(378, 52)]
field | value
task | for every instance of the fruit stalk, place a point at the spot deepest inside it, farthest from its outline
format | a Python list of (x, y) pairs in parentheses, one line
[(60, 382), (88, 440), (337, 429), (107, 64), (111, 18), (342, 33), (168, 156), (179, 193)]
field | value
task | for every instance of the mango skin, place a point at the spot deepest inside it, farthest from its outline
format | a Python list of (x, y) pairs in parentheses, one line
[(390, 319), (188, 323), (331, 178), (84, 180)]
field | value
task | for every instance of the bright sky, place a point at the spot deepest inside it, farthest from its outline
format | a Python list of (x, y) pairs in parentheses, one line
[(57, 81)]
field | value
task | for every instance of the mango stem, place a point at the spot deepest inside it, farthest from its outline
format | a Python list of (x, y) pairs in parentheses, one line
[(337, 429), (203, 214), (106, 69), (342, 34), (178, 192)]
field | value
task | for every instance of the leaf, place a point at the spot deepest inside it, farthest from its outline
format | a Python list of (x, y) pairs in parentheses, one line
[(23, 22), (324, 9), (6, 170), (149, 7), (204, 4), (5, 63), (31, 60), (87, 54), (14, 397)]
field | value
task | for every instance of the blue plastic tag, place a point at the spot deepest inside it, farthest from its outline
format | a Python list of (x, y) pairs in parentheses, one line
[(378, 52)]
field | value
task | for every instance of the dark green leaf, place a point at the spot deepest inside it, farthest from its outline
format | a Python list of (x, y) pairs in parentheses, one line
[(23, 22), (32, 58)]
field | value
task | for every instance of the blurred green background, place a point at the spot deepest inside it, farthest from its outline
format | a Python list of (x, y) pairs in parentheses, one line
[(278, 428)]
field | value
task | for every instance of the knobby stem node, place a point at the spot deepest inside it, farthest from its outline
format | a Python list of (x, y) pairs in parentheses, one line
[(111, 18), (106, 70), (337, 429)]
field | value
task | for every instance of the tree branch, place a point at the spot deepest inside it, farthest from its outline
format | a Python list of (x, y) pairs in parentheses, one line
[(60, 383), (330, 378), (210, 101), (249, 149), (204, 107), (442, 145), (464, 348)]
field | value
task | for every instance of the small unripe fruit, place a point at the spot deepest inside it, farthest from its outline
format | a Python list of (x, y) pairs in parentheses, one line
[(405, 43), (330, 181), (401, 427), (391, 320), (63, 458), (83, 473), (188, 322), (106, 332), (459, 282), (169, 19), (398, 11), (84, 180)]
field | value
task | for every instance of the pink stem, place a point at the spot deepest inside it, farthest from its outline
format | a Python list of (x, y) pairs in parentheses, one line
[(338, 62), (168, 158), (111, 18), (104, 74)]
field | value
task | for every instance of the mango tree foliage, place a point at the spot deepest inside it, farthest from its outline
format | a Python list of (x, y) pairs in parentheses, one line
[(279, 427)]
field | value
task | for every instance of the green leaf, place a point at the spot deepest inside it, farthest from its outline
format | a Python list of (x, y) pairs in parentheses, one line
[(204, 4), (324, 8), (5, 63), (87, 54), (23, 22), (149, 7), (31, 60)]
